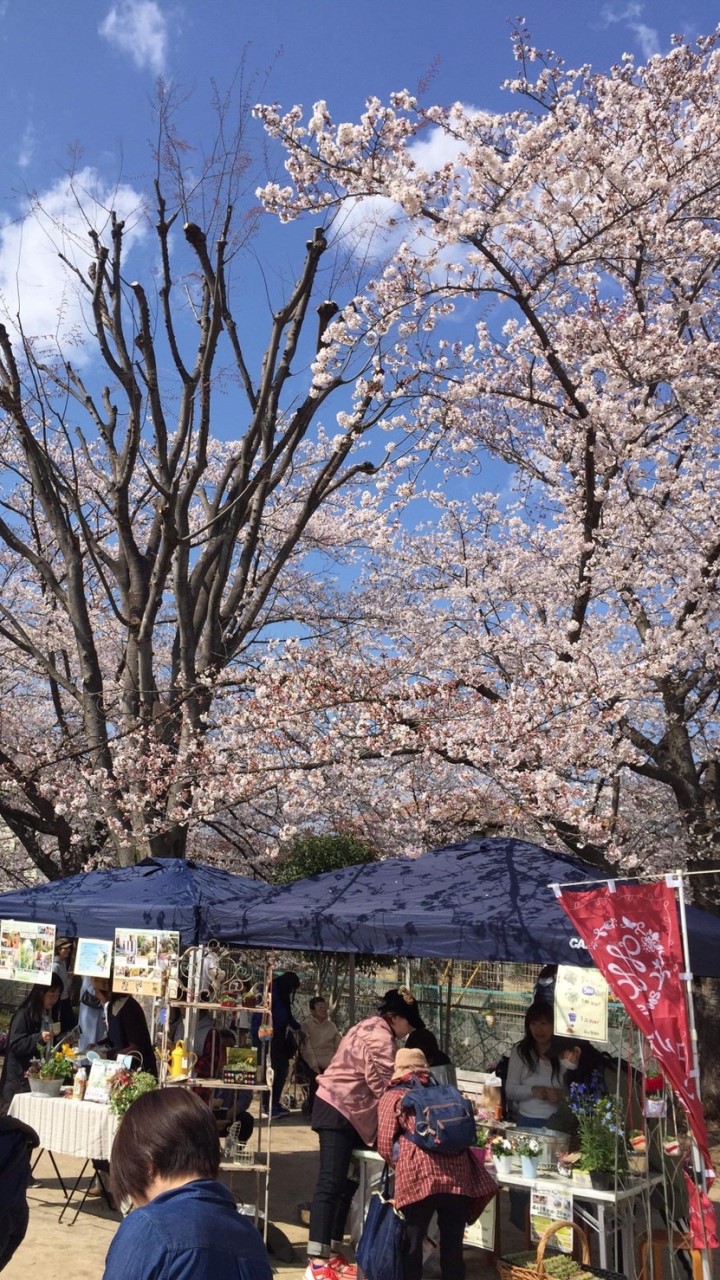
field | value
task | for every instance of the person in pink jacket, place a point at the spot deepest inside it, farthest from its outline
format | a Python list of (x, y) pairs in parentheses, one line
[(344, 1117)]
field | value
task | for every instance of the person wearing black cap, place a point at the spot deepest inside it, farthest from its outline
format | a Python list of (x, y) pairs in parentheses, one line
[(344, 1116)]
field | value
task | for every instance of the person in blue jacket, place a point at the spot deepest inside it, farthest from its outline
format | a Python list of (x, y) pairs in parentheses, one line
[(185, 1224)]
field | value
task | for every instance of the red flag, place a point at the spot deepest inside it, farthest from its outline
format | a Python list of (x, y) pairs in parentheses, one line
[(701, 1216), (632, 932)]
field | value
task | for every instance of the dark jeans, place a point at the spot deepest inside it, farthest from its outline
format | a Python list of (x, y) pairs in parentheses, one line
[(452, 1212), (334, 1189)]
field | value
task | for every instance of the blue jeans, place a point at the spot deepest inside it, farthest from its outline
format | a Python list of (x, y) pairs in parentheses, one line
[(334, 1190)]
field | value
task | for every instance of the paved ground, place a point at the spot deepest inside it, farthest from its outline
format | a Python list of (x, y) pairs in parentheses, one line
[(78, 1251)]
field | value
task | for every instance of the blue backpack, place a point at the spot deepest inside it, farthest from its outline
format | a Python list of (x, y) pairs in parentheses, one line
[(444, 1120)]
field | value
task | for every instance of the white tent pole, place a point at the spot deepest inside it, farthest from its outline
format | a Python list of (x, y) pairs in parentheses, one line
[(677, 882)]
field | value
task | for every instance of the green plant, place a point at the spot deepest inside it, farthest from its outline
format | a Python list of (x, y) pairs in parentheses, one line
[(126, 1086), (602, 1144), (53, 1065), (527, 1146)]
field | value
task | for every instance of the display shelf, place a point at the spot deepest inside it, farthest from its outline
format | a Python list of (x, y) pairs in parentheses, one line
[(205, 1083)]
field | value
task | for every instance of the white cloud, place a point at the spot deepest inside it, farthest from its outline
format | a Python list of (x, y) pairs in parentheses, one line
[(138, 27), (28, 142), (34, 281), (630, 15)]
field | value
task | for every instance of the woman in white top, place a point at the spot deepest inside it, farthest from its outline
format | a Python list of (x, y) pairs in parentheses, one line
[(535, 1084)]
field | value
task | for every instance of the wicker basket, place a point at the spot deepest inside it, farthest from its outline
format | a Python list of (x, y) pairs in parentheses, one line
[(523, 1266)]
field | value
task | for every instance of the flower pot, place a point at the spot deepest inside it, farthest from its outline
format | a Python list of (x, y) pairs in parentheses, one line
[(655, 1108), (529, 1166), (51, 1088), (503, 1165), (602, 1179)]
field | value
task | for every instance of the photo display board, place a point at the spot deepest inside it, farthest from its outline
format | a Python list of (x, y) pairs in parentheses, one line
[(145, 961), (27, 951)]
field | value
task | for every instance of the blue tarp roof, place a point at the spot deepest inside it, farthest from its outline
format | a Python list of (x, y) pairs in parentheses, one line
[(482, 900), (159, 893)]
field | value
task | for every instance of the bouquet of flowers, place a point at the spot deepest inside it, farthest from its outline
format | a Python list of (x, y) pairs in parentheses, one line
[(602, 1144), (501, 1146), (126, 1086), (57, 1065), (527, 1146)]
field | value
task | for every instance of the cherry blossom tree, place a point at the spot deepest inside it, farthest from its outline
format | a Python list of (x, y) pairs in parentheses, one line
[(168, 459), (557, 635)]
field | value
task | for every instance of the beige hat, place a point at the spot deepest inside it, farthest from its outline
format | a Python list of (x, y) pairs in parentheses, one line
[(407, 1060)]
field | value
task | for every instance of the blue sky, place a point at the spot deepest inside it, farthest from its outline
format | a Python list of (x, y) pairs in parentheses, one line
[(77, 84)]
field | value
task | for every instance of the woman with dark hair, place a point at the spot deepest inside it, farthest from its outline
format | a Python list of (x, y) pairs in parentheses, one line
[(344, 1116), (185, 1224), (32, 1028), (66, 1013), (535, 1084)]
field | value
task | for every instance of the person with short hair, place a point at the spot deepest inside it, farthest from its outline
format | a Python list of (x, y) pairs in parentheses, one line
[(319, 1038), (66, 1013), (185, 1224), (452, 1185)]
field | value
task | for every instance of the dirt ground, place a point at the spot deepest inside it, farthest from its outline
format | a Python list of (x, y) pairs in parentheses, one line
[(79, 1250)]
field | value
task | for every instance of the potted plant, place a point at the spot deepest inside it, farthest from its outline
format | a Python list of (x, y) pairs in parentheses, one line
[(528, 1148), (655, 1100), (602, 1147), (126, 1086), (49, 1073), (502, 1154)]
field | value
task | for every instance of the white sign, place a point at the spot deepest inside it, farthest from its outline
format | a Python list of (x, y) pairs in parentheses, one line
[(581, 1003)]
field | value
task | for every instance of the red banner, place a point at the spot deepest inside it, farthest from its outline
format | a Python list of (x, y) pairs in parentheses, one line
[(632, 932)]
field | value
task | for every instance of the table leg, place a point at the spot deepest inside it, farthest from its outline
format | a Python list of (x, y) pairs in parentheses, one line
[(54, 1165), (602, 1236), (68, 1201)]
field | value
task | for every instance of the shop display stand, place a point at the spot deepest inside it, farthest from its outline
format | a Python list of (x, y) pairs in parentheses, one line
[(192, 1005)]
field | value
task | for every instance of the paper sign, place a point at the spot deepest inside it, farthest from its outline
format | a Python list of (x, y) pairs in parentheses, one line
[(581, 1003), (94, 958), (146, 963), (548, 1204), (27, 951), (481, 1233), (98, 1085)]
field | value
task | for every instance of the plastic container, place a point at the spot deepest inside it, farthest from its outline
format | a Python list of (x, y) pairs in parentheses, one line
[(79, 1084)]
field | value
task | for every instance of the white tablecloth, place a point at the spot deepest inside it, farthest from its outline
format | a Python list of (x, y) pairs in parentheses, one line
[(65, 1127)]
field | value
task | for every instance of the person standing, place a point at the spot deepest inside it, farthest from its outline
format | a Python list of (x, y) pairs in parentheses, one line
[(127, 1028), (91, 1017), (283, 1045), (185, 1223), (31, 1031), (319, 1038), (453, 1185), (344, 1116), (66, 1013)]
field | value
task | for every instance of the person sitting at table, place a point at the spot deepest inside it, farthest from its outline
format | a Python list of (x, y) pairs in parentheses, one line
[(185, 1223), (127, 1028), (229, 1106), (535, 1084), (31, 1030), (453, 1185), (536, 1076)]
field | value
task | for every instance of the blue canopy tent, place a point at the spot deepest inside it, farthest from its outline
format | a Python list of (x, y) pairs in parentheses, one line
[(158, 893), (482, 900)]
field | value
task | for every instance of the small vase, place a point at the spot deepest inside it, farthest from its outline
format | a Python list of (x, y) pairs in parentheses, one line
[(503, 1165), (529, 1166)]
